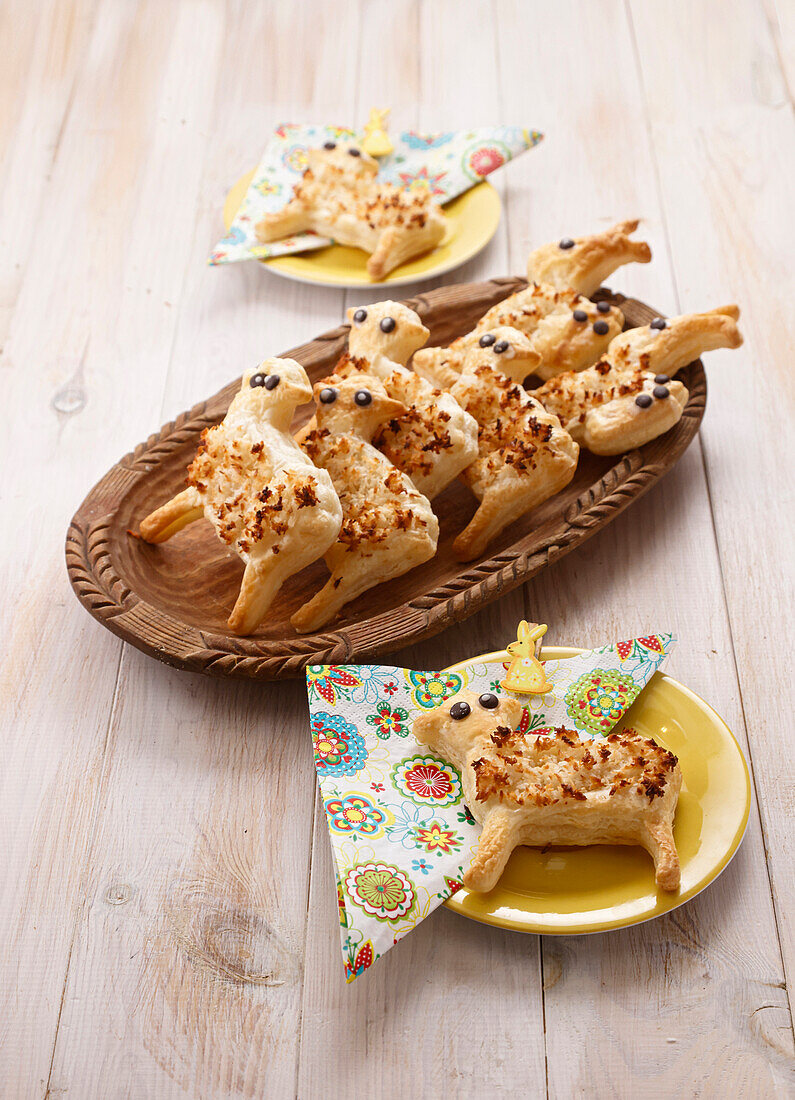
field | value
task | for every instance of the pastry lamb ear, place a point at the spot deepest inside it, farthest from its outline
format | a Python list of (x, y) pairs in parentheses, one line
[(339, 197), (388, 527), (622, 789), (629, 397), (584, 263), (260, 492)]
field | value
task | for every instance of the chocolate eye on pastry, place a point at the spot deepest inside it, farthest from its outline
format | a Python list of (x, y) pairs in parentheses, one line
[(328, 395), (565, 243), (257, 379), (460, 710), (272, 381), (487, 339), (388, 324), (603, 307), (360, 316), (355, 152), (601, 328), (661, 379), (488, 701), (580, 315), (660, 392), (659, 323), (501, 346), (329, 145), (643, 400), (363, 398)]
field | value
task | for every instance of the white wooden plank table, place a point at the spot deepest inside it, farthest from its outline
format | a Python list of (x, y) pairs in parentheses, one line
[(167, 919)]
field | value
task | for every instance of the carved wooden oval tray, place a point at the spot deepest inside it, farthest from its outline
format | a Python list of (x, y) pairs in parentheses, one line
[(172, 600)]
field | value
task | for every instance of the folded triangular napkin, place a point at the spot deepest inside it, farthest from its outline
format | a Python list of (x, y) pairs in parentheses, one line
[(446, 164), (400, 831)]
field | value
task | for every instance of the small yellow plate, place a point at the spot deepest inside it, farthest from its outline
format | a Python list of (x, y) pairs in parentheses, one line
[(472, 221), (570, 891)]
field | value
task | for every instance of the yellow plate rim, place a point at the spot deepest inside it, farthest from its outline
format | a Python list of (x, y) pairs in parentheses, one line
[(457, 903), (286, 266)]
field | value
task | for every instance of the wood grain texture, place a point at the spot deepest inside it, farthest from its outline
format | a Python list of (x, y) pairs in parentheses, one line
[(59, 390), (192, 986), (167, 924), (694, 1004), (734, 154)]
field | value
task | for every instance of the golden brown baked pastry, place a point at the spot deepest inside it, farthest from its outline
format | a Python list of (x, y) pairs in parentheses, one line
[(339, 197), (628, 398), (385, 328), (524, 456), (584, 263), (388, 527), (434, 439), (668, 345), (564, 329), (261, 493), (561, 330), (554, 789), (503, 348)]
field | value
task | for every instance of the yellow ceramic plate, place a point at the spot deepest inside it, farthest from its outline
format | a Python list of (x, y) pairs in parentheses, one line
[(472, 221), (569, 891)]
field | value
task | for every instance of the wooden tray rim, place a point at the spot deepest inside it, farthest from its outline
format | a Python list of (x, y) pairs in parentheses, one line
[(108, 598)]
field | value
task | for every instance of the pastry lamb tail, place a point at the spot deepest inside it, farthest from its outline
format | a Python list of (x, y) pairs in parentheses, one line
[(186, 507)]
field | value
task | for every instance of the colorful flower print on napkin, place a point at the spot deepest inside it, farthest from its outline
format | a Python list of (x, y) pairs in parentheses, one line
[(400, 832), (445, 164)]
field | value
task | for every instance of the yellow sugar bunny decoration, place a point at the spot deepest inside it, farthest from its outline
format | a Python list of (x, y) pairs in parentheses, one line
[(376, 140), (526, 675)]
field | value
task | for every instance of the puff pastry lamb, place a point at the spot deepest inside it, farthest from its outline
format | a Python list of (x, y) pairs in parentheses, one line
[(340, 197), (562, 328), (524, 456), (554, 789), (628, 398), (262, 494), (433, 439), (388, 527)]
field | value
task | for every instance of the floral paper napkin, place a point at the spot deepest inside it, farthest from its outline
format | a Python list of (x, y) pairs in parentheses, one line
[(400, 832), (446, 164)]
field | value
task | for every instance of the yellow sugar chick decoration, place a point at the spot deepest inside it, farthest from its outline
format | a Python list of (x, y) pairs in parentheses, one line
[(526, 674), (376, 140)]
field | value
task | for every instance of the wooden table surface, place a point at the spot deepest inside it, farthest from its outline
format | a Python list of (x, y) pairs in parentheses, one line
[(167, 914)]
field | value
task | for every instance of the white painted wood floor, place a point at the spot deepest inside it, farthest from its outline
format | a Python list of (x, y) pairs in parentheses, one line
[(166, 911)]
